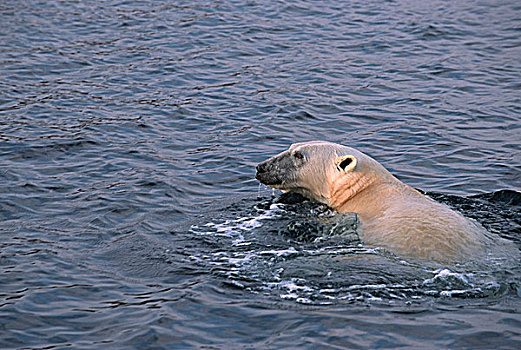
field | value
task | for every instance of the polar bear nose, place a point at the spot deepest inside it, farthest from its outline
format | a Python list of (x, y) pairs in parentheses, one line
[(261, 167)]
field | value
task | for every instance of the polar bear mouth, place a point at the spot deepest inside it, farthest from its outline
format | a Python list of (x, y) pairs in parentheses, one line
[(269, 179)]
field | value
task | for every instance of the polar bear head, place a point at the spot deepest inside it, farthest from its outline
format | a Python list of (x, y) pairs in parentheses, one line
[(322, 171)]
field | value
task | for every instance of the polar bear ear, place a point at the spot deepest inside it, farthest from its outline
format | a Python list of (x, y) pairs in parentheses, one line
[(346, 163)]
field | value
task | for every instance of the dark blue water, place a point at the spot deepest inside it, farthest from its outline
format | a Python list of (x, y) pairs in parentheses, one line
[(129, 135)]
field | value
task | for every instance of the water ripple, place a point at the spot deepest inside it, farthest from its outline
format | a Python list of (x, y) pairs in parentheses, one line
[(124, 125)]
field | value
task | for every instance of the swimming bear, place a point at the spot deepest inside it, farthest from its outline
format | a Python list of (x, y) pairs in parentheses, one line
[(392, 214)]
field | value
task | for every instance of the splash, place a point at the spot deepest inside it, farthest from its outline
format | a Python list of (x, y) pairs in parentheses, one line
[(305, 253), (235, 228)]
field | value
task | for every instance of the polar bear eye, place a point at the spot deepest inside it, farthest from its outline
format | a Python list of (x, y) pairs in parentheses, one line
[(298, 155)]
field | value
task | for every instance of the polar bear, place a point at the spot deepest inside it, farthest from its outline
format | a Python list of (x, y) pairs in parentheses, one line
[(392, 214)]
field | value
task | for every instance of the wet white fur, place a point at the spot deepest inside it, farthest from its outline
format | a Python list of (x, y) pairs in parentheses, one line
[(392, 214)]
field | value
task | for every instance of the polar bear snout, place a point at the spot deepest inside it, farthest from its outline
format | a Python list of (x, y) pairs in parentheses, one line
[(268, 172), (262, 167), (276, 171)]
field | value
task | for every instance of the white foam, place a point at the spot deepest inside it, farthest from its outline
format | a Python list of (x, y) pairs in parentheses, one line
[(304, 301), (283, 252), (456, 292), (290, 296), (234, 228), (367, 286), (374, 299), (446, 274), (291, 288), (221, 258)]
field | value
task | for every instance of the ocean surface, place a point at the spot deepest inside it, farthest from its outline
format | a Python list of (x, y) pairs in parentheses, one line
[(130, 216)]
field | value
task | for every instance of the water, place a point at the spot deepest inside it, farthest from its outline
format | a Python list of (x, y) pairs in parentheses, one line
[(129, 135)]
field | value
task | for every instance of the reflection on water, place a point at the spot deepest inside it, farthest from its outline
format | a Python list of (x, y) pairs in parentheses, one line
[(129, 135)]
